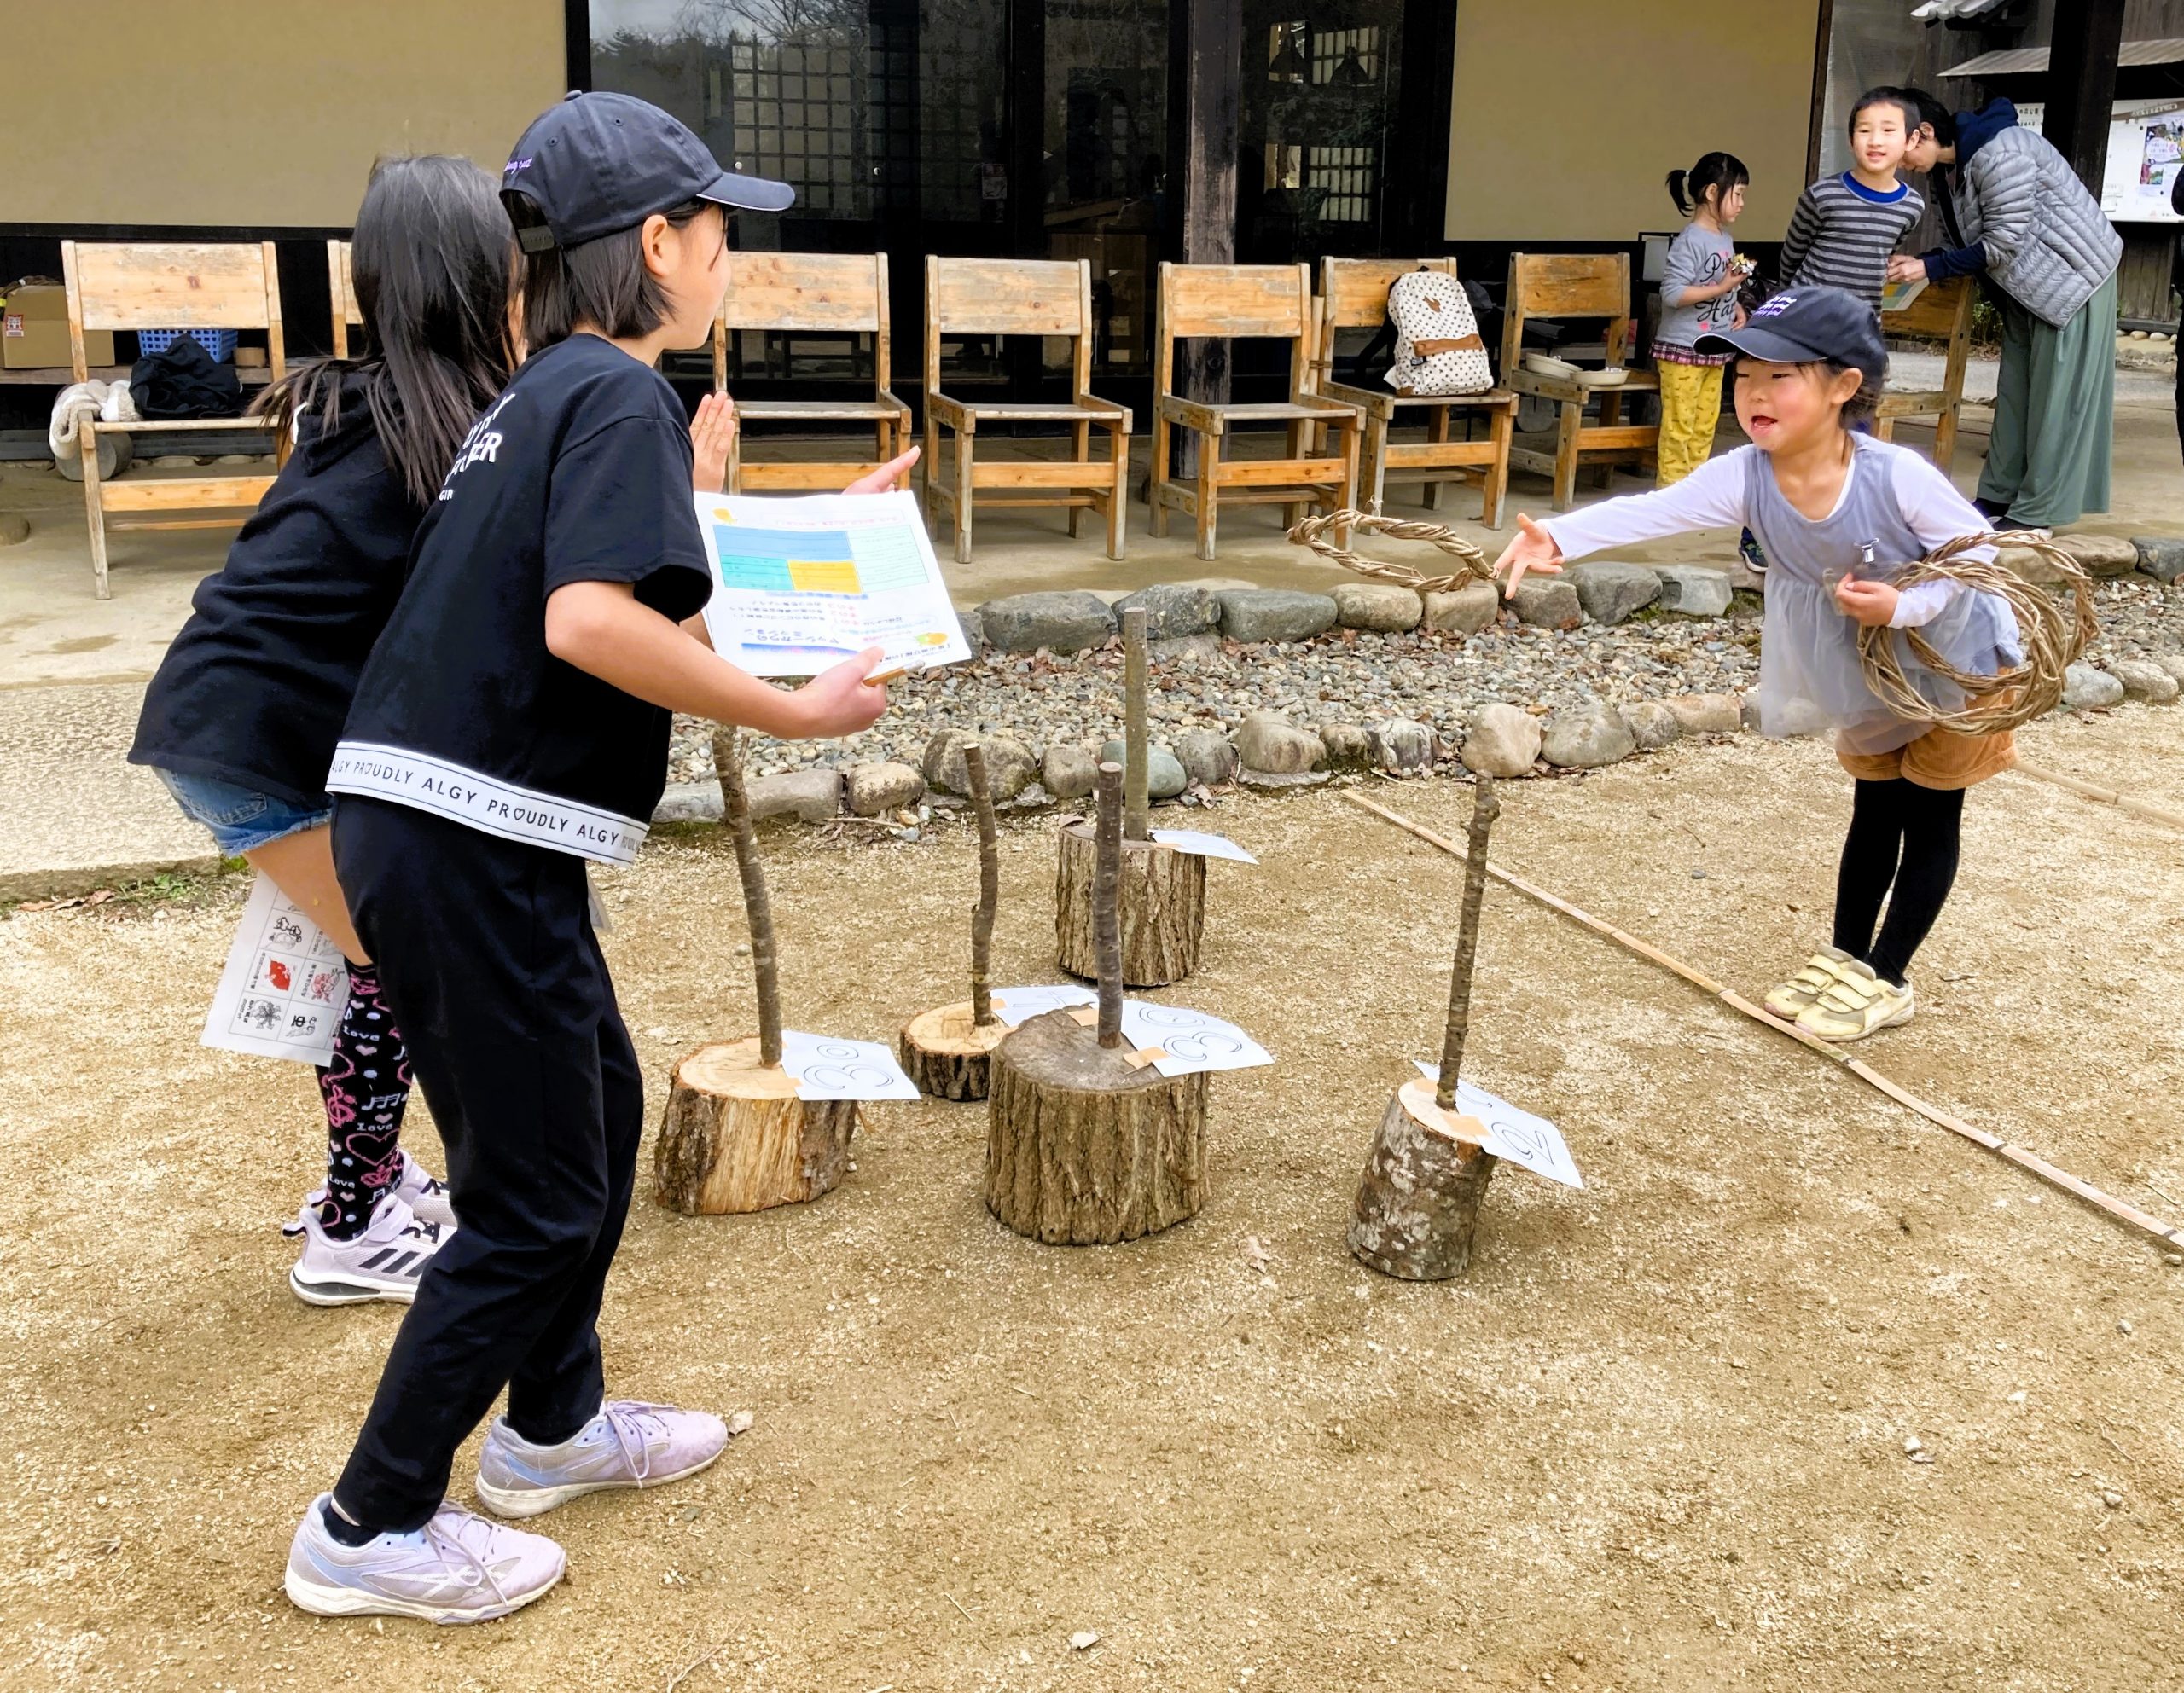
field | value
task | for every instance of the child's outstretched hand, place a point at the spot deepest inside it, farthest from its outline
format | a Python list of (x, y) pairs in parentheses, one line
[(882, 480), (712, 433), (837, 701), (1869, 603), (1534, 550)]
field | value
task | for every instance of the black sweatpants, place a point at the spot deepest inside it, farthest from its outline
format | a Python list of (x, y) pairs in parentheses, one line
[(486, 952)]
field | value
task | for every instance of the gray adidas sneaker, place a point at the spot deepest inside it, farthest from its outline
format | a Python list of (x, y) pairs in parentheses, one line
[(629, 1444), (383, 1263), (459, 1567)]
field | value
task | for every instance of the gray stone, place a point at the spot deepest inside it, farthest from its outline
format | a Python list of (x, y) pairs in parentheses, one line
[(14, 528), (1206, 757), (1708, 714), (2100, 554), (1748, 712), (1463, 611), (2171, 661), (2086, 688), (807, 795), (2143, 679), (1501, 740), (1185, 652), (1268, 744), (1585, 737), (1060, 621), (1384, 607), (2031, 565), (974, 630), (1610, 591), (1348, 748), (1398, 745), (1009, 764), (1547, 602), (1273, 614), (1172, 609), (872, 789), (1069, 772), (1693, 589), (2161, 556), (1268, 779), (689, 802), (1165, 775), (1651, 725)]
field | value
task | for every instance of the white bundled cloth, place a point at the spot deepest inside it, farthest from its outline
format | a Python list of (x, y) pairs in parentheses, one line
[(106, 401)]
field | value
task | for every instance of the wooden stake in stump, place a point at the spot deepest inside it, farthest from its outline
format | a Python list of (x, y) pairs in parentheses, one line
[(1083, 1146), (1163, 898), (735, 1137), (947, 1051), (1418, 1204)]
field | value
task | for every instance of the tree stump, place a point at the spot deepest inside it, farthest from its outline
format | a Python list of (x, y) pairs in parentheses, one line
[(948, 1052), (735, 1137), (1418, 1204), (1084, 1150), (1163, 908)]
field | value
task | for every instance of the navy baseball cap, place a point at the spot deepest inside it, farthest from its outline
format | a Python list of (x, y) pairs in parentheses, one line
[(597, 163), (1807, 326)]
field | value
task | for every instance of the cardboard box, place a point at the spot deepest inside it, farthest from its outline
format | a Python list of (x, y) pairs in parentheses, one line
[(34, 330)]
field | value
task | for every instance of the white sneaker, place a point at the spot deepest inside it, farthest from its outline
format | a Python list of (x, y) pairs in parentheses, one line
[(459, 1567), (1790, 1001), (383, 1263), (427, 1194), (629, 1444), (1861, 1003)]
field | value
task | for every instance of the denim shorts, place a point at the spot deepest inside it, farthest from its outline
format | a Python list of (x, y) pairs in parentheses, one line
[(242, 820)]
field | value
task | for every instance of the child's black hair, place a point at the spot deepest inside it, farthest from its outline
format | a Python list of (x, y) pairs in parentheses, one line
[(599, 284), (432, 265), (1720, 171), (1903, 100)]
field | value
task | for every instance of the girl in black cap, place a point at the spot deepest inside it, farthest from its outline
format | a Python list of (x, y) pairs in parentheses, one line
[(1838, 512)]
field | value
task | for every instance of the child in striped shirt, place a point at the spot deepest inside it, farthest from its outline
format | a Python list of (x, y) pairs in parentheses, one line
[(1845, 227)]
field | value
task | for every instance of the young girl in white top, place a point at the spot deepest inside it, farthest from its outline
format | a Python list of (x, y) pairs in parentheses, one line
[(1699, 280), (1839, 514)]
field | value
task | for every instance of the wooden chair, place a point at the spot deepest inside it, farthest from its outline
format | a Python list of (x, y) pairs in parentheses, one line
[(1021, 297), (1576, 285), (1229, 301), (169, 286), (1354, 295), (1941, 312), (347, 314), (819, 292)]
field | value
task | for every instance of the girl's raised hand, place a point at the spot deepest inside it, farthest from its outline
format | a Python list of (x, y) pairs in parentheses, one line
[(1869, 603), (1534, 550), (712, 433), (882, 479)]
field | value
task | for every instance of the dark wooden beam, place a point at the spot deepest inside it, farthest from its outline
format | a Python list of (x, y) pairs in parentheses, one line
[(2082, 83), (1025, 151), (1816, 134), (1417, 175), (1205, 49), (576, 41)]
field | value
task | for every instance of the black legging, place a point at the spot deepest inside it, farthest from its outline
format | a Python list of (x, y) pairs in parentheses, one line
[(1903, 838)]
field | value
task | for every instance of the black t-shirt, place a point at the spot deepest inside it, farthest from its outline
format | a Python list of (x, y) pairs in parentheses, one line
[(254, 689), (580, 472)]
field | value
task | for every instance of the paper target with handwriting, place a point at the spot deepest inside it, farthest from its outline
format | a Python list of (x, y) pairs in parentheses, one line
[(1013, 1005), (828, 1067), (1204, 844), (1190, 1041), (1511, 1134)]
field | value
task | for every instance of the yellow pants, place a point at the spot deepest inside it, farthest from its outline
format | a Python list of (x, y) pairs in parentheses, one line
[(1691, 405)]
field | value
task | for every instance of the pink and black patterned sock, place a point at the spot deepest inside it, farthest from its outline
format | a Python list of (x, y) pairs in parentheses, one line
[(365, 1085)]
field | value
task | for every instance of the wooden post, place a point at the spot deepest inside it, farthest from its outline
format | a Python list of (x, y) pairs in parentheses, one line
[(1418, 1202), (947, 1051), (2086, 41), (974, 766), (1205, 114), (1106, 902), (1137, 806)]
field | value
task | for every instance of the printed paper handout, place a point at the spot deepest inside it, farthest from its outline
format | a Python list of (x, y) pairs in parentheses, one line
[(1013, 1005), (802, 583), (1190, 1041), (285, 984), (1518, 1136), (1895, 296), (827, 1067), (1204, 845)]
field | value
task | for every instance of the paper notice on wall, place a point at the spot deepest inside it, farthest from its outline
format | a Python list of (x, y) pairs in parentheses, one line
[(1188, 1040), (1204, 844), (1014, 1004), (1516, 1135), (803, 582), (827, 1067), (285, 985)]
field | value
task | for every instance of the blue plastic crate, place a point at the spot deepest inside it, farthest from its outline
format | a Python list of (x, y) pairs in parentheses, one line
[(220, 343)]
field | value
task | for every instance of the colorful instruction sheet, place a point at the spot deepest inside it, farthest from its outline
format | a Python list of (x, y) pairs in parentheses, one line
[(827, 1067), (1516, 1135), (1204, 844), (1190, 1040), (285, 985), (804, 581)]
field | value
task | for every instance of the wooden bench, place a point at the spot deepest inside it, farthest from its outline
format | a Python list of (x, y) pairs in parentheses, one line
[(1020, 297), (1354, 295), (341, 285), (1941, 312), (1576, 285), (1228, 302), (169, 286), (830, 293)]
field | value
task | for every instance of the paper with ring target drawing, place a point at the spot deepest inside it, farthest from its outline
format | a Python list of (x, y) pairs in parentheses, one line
[(804, 581), (1511, 1134)]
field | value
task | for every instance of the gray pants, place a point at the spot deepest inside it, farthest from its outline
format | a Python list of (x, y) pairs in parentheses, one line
[(2054, 415)]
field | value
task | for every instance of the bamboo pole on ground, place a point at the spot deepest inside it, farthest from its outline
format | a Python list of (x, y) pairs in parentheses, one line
[(2085, 790), (947, 1050)]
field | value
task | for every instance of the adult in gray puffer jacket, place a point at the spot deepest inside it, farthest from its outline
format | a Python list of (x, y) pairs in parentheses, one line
[(2025, 221)]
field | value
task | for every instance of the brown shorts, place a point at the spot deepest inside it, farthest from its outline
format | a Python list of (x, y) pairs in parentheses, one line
[(1937, 759)]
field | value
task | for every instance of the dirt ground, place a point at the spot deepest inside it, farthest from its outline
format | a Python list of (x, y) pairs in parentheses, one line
[(1654, 1439)]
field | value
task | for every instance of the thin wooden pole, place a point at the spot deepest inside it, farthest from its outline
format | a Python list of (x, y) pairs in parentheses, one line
[(1106, 914), (2120, 1208), (1484, 809), (1136, 807), (728, 764), (2084, 790), (974, 765)]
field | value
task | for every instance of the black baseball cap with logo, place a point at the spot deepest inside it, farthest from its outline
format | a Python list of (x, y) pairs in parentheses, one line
[(1809, 326), (598, 163)]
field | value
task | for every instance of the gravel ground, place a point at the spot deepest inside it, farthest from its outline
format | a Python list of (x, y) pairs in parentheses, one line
[(1347, 676)]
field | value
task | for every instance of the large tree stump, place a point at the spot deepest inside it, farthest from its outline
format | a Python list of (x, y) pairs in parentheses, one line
[(948, 1052), (735, 1137), (1418, 1203), (1163, 908), (1083, 1149)]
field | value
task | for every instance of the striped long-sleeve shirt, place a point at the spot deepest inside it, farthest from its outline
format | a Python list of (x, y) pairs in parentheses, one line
[(1843, 232)]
